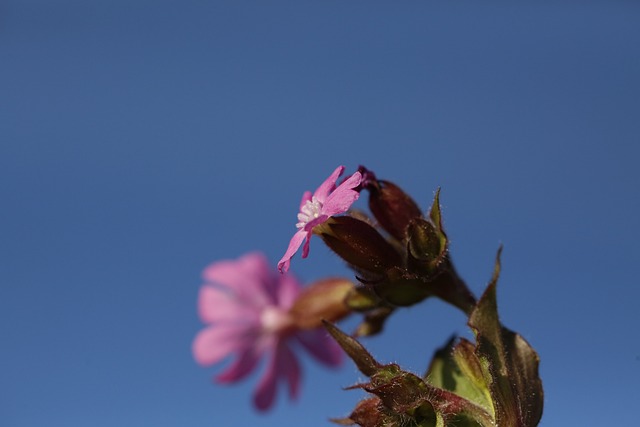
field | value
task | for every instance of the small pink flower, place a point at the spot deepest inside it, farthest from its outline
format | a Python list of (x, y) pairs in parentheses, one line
[(246, 306), (315, 209)]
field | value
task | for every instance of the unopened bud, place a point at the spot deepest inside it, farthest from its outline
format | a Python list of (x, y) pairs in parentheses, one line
[(392, 207), (322, 300), (427, 246), (358, 243), (427, 241), (366, 414)]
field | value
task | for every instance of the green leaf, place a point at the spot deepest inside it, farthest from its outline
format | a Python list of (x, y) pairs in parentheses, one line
[(456, 368), (471, 368), (509, 364)]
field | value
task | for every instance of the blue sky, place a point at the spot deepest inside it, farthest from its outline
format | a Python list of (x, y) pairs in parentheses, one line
[(141, 140)]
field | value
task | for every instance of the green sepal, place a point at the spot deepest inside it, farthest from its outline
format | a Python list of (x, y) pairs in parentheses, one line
[(427, 243), (401, 288), (356, 351), (361, 299)]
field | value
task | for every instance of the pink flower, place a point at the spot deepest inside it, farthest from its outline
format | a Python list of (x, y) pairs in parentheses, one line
[(246, 306), (315, 209)]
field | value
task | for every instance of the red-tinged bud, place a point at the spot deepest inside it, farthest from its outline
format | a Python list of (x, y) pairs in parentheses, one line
[(359, 244), (366, 414), (391, 206), (322, 300)]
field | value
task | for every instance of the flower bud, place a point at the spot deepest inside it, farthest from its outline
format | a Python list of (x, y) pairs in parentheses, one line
[(392, 207), (358, 243), (322, 300), (426, 246), (367, 413)]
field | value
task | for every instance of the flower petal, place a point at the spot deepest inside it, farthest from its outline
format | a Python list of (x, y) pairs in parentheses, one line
[(248, 276), (283, 365), (289, 368), (242, 366), (328, 185), (294, 245), (265, 392), (288, 290), (321, 346), (305, 247), (214, 343), (221, 305), (343, 197)]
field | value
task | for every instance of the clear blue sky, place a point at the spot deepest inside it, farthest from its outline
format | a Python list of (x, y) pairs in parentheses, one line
[(141, 140)]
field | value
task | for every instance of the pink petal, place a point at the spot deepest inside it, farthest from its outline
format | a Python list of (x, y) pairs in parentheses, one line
[(294, 245), (289, 368), (321, 346), (265, 392), (328, 185), (283, 365), (343, 197), (288, 290), (220, 305), (214, 343), (242, 366), (247, 276), (305, 248)]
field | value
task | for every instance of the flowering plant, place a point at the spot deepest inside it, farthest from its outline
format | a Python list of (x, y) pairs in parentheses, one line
[(400, 258), (253, 312)]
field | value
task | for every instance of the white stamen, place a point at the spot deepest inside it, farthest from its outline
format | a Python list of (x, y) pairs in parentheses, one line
[(310, 211), (275, 320)]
